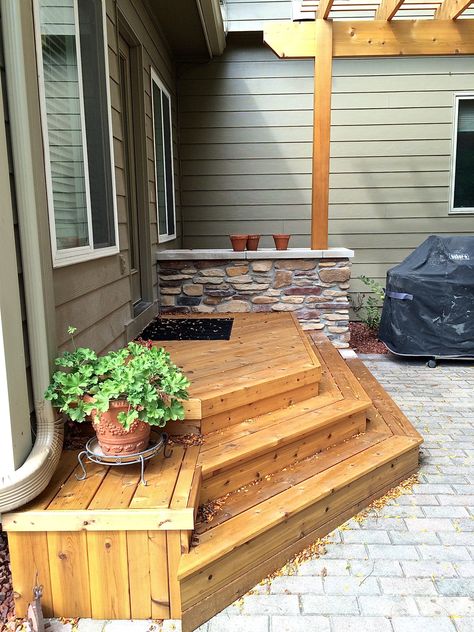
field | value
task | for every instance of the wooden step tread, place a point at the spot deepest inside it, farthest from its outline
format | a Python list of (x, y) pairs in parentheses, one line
[(327, 388), (250, 426), (328, 393), (383, 404), (263, 384), (219, 387), (249, 367), (333, 362), (242, 499), (290, 424), (226, 537)]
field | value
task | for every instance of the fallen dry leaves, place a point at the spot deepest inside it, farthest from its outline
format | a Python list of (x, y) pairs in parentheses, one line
[(318, 548), (186, 440)]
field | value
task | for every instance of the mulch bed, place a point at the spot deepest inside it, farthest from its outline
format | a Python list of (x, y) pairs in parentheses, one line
[(364, 339), (6, 590)]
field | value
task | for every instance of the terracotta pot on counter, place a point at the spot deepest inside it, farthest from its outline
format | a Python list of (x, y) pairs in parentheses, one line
[(281, 241), (113, 439), (239, 242), (252, 242)]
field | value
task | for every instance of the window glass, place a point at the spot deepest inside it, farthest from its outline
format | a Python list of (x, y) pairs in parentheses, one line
[(65, 129), (74, 78), (168, 163), (94, 84), (464, 163), (159, 159), (163, 139)]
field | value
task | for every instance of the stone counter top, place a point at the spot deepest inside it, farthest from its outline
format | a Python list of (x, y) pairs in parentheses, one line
[(262, 253)]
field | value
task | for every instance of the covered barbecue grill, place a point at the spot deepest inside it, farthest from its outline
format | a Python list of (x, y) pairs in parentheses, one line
[(429, 302)]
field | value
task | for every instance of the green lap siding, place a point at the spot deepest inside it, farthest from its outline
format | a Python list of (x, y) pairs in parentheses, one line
[(246, 146)]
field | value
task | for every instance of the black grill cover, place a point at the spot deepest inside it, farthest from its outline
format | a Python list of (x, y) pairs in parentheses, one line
[(429, 303)]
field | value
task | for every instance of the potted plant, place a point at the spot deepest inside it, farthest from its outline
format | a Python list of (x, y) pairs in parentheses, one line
[(123, 392)]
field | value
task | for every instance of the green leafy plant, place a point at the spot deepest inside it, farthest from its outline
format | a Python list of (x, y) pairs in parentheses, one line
[(140, 373), (369, 306)]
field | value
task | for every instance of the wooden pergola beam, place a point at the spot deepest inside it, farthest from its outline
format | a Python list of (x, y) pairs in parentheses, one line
[(451, 9), (321, 134), (324, 9), (374, 38), (388, 9), (324, 40)]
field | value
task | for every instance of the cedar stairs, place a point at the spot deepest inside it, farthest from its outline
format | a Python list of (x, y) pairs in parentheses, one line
[(292, 447)]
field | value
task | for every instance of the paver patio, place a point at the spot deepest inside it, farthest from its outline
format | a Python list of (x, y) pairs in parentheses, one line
[(407, 567)]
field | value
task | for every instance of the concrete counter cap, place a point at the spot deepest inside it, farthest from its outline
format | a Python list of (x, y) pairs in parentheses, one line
[(262, 253)]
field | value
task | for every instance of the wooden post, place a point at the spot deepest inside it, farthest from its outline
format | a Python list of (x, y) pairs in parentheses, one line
[(321, 134)]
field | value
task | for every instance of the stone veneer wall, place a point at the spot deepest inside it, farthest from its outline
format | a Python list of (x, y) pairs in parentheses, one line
[(314, 289)]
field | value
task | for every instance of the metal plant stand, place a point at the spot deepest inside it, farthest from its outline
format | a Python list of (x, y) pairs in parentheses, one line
[(94, 453)]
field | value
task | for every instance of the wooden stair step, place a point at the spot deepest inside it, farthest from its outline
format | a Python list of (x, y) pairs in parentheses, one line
[(326, 391), (225, 428), (209, 590), (260, 422), (334, 363), (244, 498), (386, 408), (290, 425), (247, 526), (232, 393)]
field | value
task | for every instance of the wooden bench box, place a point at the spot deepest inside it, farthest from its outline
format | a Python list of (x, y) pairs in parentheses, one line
[(107, 547)]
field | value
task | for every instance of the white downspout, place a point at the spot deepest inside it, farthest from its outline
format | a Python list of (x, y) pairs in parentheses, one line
[(33, 476)]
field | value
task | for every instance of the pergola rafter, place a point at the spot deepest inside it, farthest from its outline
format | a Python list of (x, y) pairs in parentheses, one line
[(324, 9), (324, 39), (452, 9), (388, 9)]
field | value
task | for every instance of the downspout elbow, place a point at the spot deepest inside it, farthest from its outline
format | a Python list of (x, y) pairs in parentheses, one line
[(31, 478)]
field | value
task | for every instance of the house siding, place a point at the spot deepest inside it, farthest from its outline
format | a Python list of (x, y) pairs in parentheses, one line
[(248, 15), (246, 144), (95, 296)]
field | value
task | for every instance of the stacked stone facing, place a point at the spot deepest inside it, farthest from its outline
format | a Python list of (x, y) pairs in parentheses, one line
[(314, 289)]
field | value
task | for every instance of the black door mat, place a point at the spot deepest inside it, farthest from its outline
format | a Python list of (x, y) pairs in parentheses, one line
[(188, 329)]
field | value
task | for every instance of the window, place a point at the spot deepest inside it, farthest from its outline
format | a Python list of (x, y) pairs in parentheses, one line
[(462, 183), (163, 141), (74, 81)]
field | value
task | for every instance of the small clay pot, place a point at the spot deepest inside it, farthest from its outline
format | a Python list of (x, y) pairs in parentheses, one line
[(252, 242), (239, 242), (113, 439), (281, 241)]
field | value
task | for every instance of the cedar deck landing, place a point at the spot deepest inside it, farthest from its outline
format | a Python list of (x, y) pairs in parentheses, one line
[(295, 441), (266, 355)]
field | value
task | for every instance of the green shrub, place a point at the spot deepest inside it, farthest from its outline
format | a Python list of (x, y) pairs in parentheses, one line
[(369, 307)]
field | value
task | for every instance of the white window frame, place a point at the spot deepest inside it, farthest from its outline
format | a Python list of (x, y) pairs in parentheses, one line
[(468, 210), (79, 254), (162, 238)]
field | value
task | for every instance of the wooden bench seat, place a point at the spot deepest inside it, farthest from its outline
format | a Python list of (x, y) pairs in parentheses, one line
[(104, 547)]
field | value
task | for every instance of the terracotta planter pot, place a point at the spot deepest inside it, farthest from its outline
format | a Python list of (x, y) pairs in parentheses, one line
[(238, 242), (113, 439), (281, 241), (252, 242)]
